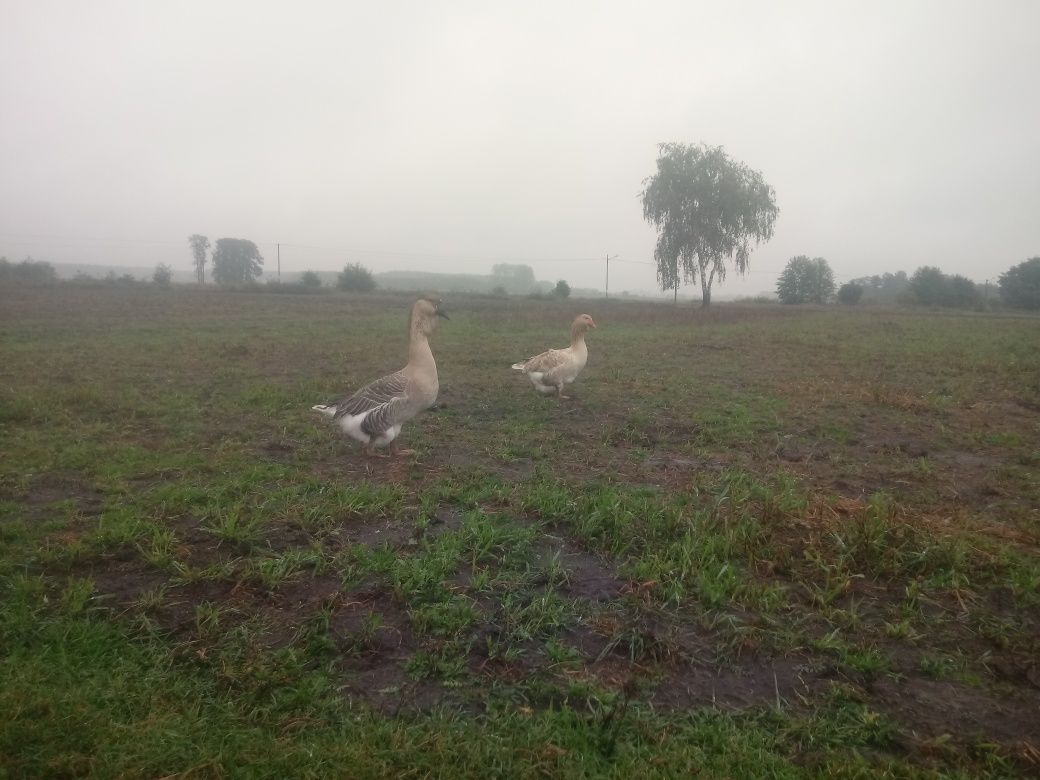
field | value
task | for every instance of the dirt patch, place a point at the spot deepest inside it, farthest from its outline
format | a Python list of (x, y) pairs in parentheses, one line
[(120, 584), (779, 682), (199, 547), (305, 593), (59, 486), (587, 641), (378, 532), (177, 612), (375, 641), (278, 449), (933, 708), (587, 575), (285, 537)]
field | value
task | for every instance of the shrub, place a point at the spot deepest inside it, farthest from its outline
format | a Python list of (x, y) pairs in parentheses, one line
[(356, 278), (562, 289), (850, 293), (310, 279), (162, 275)]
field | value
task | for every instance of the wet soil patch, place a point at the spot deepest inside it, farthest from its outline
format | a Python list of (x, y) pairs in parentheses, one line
[(587, 576), (934, 708), (56, 487)]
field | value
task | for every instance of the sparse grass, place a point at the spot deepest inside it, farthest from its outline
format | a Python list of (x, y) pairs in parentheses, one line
[(729, 560)]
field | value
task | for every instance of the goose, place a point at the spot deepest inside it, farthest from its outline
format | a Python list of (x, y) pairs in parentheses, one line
[(553, 369), (375, 413)]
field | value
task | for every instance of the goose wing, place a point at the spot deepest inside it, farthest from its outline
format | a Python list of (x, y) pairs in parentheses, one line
[(547, 363), (386, 416), (391, 389)]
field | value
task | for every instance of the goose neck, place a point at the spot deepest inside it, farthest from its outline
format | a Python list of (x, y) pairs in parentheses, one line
[(419, 353)]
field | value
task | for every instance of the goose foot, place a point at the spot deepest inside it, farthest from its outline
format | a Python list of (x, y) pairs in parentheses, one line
[(370, 452), (397, 452)]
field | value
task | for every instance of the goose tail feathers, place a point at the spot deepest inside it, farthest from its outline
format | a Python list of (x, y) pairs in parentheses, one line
[(519, 366), (329, 409)]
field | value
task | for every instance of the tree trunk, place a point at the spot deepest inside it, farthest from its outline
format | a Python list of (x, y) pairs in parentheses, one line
[(706, 288)]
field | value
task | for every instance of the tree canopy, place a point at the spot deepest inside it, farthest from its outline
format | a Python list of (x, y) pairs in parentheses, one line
[(1020, 285), (356, 278), (931, 287), (162, 275), (850, 293), (199, 245), (805, 280), (927, 284), (310, 279), (884, 288), (236, 261), (562, 289), (708, 209)]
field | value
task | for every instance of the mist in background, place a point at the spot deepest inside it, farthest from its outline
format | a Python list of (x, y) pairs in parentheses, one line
[(420, 136)]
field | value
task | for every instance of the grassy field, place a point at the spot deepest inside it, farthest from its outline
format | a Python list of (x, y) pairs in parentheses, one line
[(759, 542)]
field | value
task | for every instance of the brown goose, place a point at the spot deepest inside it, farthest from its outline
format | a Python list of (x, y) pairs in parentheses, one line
[(375, 413), (551, 370)]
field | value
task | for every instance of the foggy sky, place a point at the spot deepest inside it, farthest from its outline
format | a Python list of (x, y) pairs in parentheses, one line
[(448, 136)]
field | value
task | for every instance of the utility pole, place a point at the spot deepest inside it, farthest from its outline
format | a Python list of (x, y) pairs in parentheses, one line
[(279, 262), (609, 258)]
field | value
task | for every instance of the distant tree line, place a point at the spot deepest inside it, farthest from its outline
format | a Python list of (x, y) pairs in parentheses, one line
[(810, 280), (28, 272)]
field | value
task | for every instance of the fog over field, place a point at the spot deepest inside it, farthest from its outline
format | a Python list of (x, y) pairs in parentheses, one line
[(430, 137)]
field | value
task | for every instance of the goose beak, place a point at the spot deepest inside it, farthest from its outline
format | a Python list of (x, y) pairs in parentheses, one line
[(441, 313)]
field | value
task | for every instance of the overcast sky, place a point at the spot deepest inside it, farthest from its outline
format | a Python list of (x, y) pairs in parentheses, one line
[(452, 135)]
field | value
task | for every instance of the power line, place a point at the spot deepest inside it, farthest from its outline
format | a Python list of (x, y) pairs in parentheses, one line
[(432, 256), (28, 238), (31, 238)]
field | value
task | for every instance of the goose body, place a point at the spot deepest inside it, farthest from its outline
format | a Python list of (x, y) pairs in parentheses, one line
[(553, 369), (375, 414)]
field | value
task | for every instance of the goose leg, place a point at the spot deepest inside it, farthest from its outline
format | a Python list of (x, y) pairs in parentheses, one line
[(369, 451), (559, 393)]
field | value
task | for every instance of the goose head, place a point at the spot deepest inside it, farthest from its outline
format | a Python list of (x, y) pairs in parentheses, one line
[(582, 324), (425, 312)]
